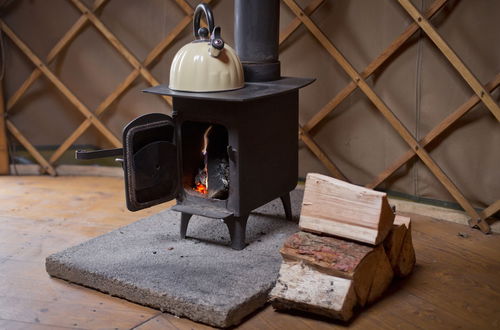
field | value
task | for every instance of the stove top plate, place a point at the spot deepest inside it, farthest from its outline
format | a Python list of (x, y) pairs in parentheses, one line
[(251, 91)]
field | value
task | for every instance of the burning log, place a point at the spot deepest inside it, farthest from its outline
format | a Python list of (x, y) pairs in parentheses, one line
[(219, 178), (342, 209), (212, 177)]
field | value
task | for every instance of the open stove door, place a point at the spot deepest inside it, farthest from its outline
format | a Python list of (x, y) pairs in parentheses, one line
[(150, 161)]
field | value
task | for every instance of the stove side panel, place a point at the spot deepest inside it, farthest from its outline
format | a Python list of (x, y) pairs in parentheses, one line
[(268, 150)]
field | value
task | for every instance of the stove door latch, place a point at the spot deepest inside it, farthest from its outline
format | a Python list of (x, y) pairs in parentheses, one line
[(232, 153)]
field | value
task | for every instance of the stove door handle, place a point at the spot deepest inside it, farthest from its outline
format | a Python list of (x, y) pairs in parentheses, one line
[(94, 154)]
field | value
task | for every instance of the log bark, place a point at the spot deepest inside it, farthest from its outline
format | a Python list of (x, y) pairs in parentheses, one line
[(334, 207), (343, 259), (301, 287)]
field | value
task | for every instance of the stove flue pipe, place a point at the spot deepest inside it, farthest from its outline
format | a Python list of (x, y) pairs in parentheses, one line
[(257, 37)]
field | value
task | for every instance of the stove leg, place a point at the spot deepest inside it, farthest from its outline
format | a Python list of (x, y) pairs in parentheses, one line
[(285, 199), (185, 217), (237, 229)]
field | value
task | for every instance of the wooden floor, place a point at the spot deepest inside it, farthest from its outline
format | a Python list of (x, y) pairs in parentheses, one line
[(456, 283)]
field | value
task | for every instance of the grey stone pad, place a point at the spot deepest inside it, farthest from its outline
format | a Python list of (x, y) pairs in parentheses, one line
[(199, 277)]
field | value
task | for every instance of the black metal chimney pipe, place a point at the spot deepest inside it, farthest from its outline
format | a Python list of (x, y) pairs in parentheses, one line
[(256, 25)]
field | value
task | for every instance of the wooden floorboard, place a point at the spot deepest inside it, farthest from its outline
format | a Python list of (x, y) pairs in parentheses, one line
[(456, 283)]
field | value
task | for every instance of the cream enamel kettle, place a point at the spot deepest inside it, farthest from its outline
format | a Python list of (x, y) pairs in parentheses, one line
[(206, 64)]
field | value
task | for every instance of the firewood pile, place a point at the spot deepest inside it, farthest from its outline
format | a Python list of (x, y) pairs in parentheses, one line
[(350, 249)]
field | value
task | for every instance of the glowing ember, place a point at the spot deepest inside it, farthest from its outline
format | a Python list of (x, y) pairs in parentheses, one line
[(201, 188)]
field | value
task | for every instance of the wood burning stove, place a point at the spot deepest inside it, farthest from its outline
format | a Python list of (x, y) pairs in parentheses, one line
[(221, 154)]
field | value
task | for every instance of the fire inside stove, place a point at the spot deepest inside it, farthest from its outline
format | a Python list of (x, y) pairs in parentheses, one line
[(205, 145)]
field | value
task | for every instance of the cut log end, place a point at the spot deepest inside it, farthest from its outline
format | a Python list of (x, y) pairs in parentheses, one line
[(407, 259), (399, 247), (368, 268), (301, 287)]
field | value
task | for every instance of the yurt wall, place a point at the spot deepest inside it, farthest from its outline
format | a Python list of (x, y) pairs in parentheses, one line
[(405, 96)]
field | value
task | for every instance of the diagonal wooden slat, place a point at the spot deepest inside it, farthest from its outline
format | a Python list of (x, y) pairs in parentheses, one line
[(72, 32), (491, 210), (119, 46), (372, 67), (295, 23), (59, 85), (452, 57), (31, 149), (305, 136), (389, 115), (344, 93), (4, 146), (434, 133), (122, 87), (60, 45), (321, 155)]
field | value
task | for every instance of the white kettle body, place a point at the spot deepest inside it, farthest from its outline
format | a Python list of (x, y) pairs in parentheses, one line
[(206, 64)]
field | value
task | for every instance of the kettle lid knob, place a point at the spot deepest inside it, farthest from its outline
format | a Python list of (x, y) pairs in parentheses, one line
[(203, 33)]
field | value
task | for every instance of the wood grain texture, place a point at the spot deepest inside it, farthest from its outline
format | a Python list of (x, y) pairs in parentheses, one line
[(406, 259), (367, 267), (399, 247), (42, 215), (382, 276), (342, 209), (301, 287)]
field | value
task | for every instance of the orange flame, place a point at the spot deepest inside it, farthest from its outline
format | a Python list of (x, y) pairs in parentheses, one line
[(201, 188)]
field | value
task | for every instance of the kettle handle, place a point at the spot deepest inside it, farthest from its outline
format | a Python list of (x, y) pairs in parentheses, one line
[(202, 8)]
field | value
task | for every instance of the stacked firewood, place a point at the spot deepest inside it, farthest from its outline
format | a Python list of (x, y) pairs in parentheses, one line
[(349, 250)]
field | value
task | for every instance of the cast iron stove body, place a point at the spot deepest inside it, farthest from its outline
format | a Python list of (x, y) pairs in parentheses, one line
[(254, 131), (242, 144)]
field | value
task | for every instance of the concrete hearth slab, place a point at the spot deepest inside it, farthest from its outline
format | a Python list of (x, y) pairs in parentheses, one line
[(200, 277)]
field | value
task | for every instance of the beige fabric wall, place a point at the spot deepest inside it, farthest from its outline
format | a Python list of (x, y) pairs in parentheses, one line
[(418, 84)]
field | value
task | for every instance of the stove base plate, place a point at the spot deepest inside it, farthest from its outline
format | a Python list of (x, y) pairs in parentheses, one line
[(200, 278)]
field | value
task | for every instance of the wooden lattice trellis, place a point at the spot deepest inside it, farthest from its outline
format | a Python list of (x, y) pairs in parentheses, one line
[(417, 148)]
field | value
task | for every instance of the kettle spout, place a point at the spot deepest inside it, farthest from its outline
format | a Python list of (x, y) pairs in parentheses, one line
[(216, 42)]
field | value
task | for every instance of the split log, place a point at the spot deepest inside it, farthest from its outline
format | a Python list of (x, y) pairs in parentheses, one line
[(367, 267), (399, 247), (395, 238), (301, 287), (407, 259), (338, 208), (382, 278)]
